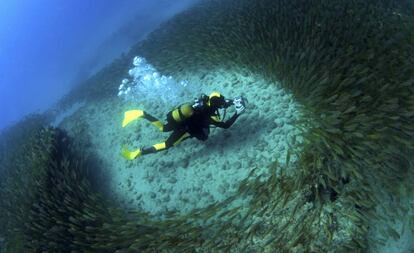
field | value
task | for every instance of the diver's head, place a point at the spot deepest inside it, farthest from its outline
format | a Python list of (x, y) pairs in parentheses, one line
[(216, 100)]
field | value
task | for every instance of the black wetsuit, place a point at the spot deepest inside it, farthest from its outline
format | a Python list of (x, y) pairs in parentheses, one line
[(198, 125)]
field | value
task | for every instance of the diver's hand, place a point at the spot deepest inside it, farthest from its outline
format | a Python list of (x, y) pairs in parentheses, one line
[(240, 109)]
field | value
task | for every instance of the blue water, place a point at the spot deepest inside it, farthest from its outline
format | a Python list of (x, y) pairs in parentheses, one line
[(48, 46)]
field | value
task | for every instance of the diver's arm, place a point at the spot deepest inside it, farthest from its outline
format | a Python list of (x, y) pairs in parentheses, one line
[(225, 124), (228, 103)]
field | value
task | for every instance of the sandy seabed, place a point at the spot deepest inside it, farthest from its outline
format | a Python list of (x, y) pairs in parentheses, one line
[(192, 174)]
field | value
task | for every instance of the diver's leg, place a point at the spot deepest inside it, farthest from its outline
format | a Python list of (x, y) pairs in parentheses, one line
[(171, 125), (168, 127), (156, 122), (176, 137)]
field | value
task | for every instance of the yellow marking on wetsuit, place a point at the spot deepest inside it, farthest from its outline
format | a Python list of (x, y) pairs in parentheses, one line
[(131, 155), (176, 115), (158, 124), (215, 118), (160, 146), (131, 115), (181, 138)]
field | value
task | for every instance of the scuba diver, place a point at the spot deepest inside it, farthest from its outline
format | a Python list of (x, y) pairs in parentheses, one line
[(188, 120)]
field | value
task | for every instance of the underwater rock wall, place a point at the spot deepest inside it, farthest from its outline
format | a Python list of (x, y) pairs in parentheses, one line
[(350, 63)]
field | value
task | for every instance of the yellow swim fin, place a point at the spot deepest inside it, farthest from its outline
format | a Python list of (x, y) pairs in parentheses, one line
[(131, 155), (131, 115)]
